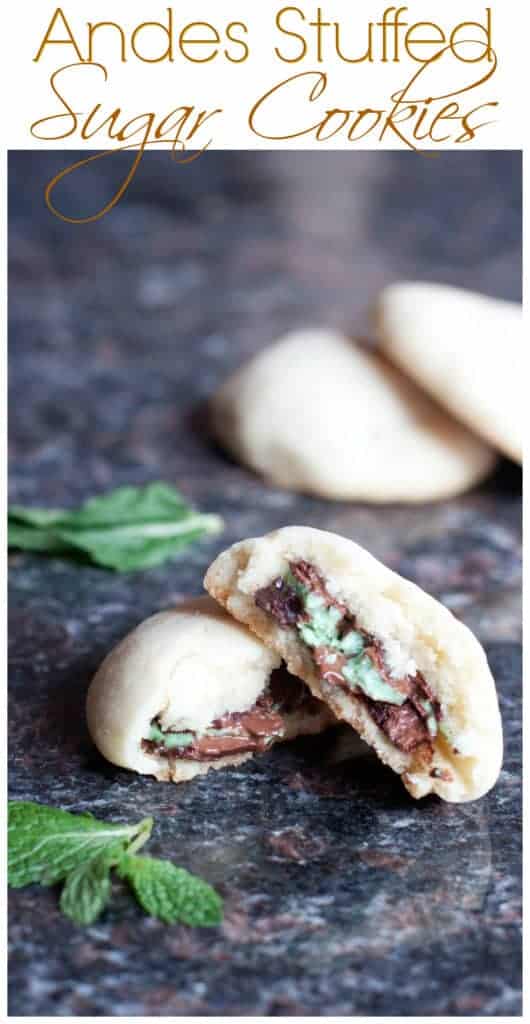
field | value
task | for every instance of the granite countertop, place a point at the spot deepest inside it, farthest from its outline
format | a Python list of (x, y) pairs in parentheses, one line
[(343, 895)]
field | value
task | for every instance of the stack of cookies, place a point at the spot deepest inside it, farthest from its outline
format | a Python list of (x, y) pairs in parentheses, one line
[(420, 419)]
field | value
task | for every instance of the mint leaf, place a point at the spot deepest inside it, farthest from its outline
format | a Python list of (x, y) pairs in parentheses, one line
[(45, 844), (40, 517), (170, 893), (138, 546), (130, 528), (27, 538), (86, 891), (156, 502)]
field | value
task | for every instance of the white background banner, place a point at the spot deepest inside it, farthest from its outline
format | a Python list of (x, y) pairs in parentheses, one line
[(201, 74)]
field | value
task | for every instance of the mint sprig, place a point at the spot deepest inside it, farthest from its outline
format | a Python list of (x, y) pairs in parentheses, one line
[(129, 528), (49, 845)]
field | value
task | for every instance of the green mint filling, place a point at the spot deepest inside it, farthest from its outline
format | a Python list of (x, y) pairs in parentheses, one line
[(295, 584), (171, 740), (432, 723), (322, 630), (361, 672), (447, 733), (178, 739), (314, 602), (352, 643)]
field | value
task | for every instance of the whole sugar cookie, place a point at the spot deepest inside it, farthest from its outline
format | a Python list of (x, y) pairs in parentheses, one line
[(318, 414), (386, 657), (191, 689), (465, 349)]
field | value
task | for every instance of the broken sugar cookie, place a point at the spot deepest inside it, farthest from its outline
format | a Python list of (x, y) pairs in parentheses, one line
[(191, 689), (384, 655), (318, 414), (465, 349)]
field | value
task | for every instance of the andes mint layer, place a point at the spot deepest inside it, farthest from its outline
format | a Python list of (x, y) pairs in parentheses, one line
[(348, 656), (238, 732)]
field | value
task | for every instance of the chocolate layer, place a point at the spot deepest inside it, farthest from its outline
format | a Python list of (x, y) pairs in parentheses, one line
[(242, 732), (406, 725)]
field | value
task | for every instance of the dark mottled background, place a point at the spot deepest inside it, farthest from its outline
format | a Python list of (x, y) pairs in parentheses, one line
[(343, 896)]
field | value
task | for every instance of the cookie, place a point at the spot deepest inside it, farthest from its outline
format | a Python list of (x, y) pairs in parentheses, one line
[(385, 656), (318, 414), (465, 349), (191, 689)]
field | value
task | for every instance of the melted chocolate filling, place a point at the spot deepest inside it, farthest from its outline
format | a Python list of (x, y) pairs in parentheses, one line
[(406, 724), (241, 732)]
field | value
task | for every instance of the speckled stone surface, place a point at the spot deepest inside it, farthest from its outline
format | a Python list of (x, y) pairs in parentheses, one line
[(343, 895)]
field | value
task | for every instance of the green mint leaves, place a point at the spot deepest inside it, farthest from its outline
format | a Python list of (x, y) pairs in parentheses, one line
[(130, 528), (171, 893), (48, 845)]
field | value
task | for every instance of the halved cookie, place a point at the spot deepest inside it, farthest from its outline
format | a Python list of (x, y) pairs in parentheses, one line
[(384, 655), (191, 689)]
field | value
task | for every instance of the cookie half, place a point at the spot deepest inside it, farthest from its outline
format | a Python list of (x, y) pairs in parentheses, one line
[(384, 655), (191, 689), (465, 349), (316, 413)]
